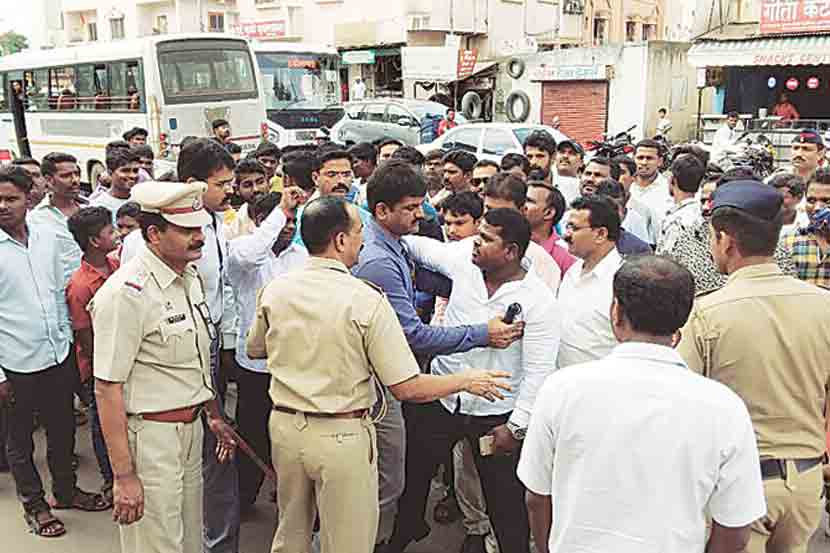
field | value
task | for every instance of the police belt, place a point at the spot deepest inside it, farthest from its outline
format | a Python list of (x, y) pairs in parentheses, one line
[(777, 468), (183, 415), (359, 413)]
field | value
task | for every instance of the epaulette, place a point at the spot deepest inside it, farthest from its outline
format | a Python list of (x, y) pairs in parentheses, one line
[(372, 285), (134, 284)]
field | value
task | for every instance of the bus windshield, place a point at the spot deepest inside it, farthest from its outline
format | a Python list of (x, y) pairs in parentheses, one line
[(299, 81), (190, 75)]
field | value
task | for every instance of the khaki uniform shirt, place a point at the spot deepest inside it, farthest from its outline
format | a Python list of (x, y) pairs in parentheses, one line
[(765, 335), (150, 335), (324, 332)]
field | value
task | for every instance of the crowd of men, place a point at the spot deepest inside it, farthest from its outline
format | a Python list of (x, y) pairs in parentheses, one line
[(589, 354)]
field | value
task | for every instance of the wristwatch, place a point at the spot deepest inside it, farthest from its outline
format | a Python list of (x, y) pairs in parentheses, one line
[(517, 431)]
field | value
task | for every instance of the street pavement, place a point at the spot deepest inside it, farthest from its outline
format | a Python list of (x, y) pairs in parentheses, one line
[(96, 533)]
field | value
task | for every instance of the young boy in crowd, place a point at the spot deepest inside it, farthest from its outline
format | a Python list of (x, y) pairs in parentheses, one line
[(94, 232)]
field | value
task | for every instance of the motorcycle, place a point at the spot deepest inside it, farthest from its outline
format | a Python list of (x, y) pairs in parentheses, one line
[(610, 146), (753, 152)]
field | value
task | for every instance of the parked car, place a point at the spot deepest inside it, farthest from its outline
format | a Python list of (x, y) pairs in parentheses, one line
[(489, 140), (410, 121)]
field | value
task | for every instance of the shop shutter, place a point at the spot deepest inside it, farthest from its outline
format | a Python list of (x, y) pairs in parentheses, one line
[(582, 107)]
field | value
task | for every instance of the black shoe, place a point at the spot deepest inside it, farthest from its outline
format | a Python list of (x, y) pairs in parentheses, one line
[(473, 544)]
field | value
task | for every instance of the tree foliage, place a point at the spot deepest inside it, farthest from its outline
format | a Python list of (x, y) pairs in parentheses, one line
[(12, 42)]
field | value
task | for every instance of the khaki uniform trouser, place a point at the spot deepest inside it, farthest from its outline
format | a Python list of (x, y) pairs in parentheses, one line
[(793, 513), (168, 461), (329, 466)]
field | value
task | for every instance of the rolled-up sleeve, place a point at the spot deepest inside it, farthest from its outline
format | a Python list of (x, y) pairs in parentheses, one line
[(387, 348), (535, 468), (255, 343), (423, 339)]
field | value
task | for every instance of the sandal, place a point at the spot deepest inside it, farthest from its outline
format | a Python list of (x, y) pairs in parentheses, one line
[(84, 501), (106, 493), (46, 527)]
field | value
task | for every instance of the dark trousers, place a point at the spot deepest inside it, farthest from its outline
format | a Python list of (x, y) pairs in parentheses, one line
[(431, 433), (99, 445), (49, 392), (253, 407)]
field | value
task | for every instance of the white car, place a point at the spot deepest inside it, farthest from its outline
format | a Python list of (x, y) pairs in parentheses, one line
[(488, 140)]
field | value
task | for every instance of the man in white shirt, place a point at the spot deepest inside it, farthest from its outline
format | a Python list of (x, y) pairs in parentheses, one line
[(254, 260), (488, 276), (122, 164), (650, 188), (507, 191), (251, 181), (206, 160), (726, 136), (687, 173), (585, 295), (359, 89), (569, 156), (634, 452)]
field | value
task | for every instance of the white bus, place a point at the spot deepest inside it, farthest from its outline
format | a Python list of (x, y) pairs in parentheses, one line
[(77, 99), (301, 85)]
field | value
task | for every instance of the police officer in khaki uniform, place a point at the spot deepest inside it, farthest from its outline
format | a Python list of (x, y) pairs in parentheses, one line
[(764, 335), (152, 334), (327, 335)]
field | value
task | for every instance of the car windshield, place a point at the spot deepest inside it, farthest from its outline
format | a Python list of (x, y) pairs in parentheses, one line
[(433, 109), (523, 133)]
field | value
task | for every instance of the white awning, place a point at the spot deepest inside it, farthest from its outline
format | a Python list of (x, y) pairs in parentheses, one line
[(805, 50)]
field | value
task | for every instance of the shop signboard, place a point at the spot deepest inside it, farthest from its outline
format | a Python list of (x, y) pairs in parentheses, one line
[(262, 30), (794, 16), (569, 73), (466, 63), (358, 57), (429, 63)]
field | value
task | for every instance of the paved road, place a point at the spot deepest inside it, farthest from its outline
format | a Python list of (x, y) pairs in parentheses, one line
[(95, 532)]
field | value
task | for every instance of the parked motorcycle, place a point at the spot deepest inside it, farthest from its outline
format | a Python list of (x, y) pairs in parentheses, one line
[(755, 152), (611, 146)]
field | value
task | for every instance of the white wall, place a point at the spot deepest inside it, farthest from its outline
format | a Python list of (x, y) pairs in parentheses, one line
[(628, 91)]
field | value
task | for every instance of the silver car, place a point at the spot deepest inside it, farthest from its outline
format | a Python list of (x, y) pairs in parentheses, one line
[(489, 140), (410, 121)]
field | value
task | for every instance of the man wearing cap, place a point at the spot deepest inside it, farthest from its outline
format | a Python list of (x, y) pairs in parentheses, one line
[(136, 136), (153, 332), (221, 131), (755, 336), (569, 156), (806, 154)]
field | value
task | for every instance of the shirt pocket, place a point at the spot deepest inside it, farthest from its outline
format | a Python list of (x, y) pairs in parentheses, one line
[(180, 341)]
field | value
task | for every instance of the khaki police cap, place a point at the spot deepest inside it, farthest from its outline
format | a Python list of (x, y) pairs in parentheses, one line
[(179, 203)]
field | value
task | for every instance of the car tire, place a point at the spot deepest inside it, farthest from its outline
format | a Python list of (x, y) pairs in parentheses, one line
[(516, 68), (510, 106), (471, 105)]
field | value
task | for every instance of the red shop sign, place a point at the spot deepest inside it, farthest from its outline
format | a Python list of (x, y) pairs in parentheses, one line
[(792, 83), (790, 16), (812, 83)]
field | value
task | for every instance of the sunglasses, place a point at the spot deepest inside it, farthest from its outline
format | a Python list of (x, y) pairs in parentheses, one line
[(480, 181)]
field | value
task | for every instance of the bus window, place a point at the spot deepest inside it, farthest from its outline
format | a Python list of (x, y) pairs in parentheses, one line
[(62, 92), (4, 105), (206, 75), (126, 86), (37, 89), (93, 89)]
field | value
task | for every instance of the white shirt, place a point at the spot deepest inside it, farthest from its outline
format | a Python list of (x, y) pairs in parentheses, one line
[(636, 224), (723, 139), (585, 301), (359, 91), (530, 360), (635, 450), (569, 186), (251, 265), (657, 199), (211, 267), (105, 199)]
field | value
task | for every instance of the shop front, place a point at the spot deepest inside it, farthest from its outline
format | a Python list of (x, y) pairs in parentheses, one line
[(751, 69)]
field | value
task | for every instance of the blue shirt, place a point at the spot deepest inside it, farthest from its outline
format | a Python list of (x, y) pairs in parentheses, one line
[(629, 244), (384, 262), (35, 332), (48, 216)]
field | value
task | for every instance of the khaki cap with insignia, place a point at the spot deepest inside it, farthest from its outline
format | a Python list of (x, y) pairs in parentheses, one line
[(179, 203)]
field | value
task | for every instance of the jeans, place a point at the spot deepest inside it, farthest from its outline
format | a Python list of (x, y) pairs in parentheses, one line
[(431, 433), (221, 485), (253, 407), (391, 435), (98, 443), (50, 392)]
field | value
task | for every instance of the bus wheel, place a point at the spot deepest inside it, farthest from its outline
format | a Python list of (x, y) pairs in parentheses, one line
[(95, 170)]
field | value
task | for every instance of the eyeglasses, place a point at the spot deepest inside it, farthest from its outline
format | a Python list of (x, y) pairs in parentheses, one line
[(204, 312), (574, 228), (480, 181)]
